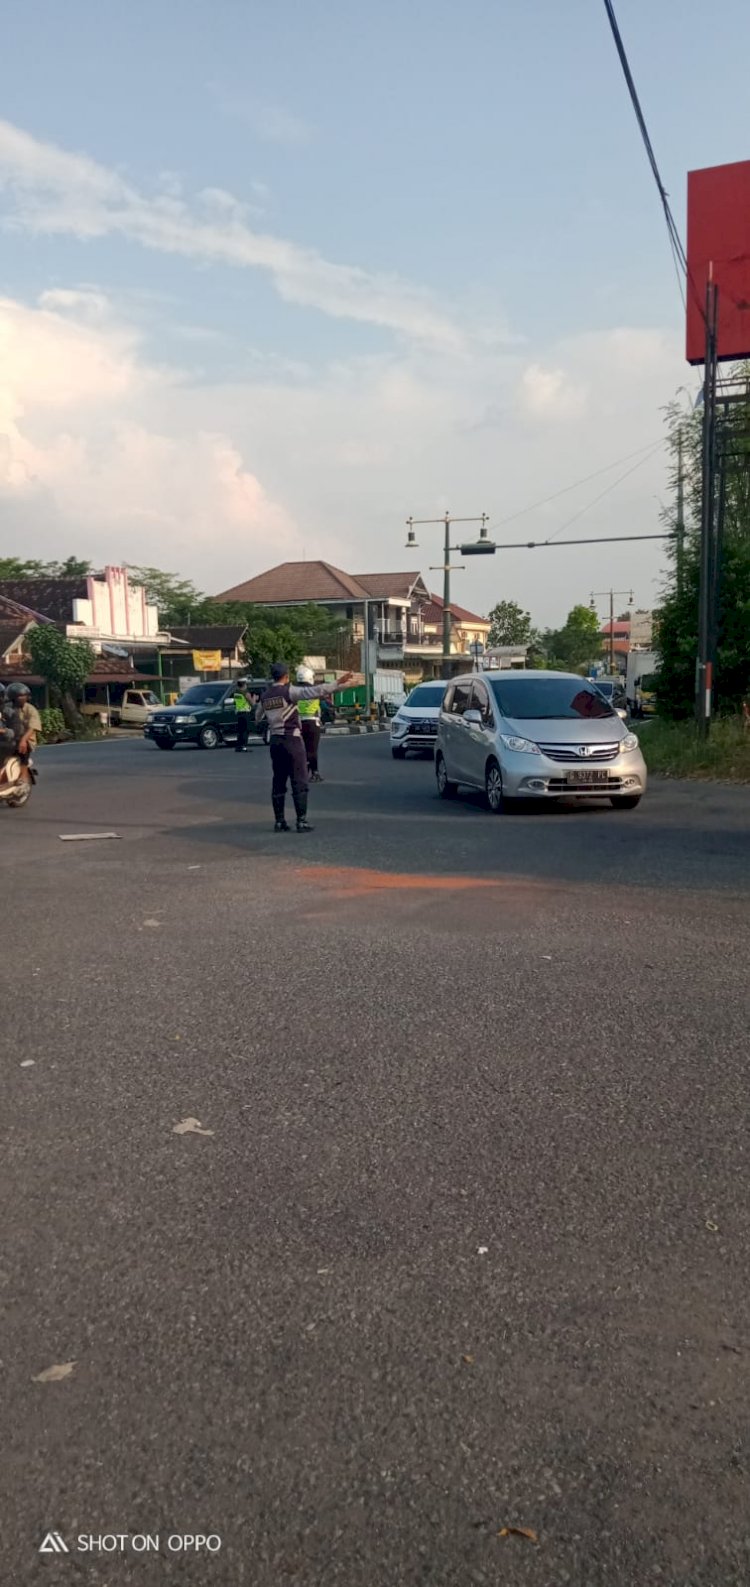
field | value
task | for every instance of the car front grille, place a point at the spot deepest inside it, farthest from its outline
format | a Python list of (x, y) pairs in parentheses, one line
[(423, 729), (568, 753)]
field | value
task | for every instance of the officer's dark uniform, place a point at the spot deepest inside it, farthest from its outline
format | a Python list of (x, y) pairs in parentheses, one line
[(278, 704)]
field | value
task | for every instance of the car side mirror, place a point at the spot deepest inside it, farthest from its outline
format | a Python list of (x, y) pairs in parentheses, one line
[(473, 717)]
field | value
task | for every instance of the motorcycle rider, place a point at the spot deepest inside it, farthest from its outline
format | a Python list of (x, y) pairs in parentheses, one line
[(18, 699), (279, 705), (310, 714), (11, 729), (10, 725)]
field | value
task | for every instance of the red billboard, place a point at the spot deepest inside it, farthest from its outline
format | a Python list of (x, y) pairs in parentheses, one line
[(718, 236)]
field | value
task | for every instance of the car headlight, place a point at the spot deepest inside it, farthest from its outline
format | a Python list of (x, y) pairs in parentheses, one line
[(521, 746), (398, 725), (186, 719), (628, 743)]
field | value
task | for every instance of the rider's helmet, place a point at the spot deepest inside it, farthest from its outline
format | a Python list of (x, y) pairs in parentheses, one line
[(17, 690), (305, 675)]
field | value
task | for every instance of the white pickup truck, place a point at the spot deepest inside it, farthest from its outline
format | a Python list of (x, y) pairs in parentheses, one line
[(135, 708)]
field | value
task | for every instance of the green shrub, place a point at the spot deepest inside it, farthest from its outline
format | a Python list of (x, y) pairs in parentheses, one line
[(53, 726), (675, 749)]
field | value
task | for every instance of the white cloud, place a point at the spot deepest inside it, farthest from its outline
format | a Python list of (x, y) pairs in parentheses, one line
[(105, 454), (272, 123), (90, 446), (549, 394), (57, 192), (276, 125)]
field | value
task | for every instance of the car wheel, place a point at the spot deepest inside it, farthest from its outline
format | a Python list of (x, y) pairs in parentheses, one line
[(208, 738), (164, 743), (445, 788), (398, 754), (493, 787), (626, 801)]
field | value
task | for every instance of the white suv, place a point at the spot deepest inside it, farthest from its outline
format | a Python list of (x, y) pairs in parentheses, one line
[(415, 724)]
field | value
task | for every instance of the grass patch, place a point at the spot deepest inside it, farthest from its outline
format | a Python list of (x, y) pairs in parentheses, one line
[(674, 749)]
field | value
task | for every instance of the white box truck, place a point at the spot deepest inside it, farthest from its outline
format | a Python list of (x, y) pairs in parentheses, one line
[(640, 682)]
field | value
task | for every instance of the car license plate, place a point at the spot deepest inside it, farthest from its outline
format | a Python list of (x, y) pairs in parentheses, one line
[(587, 778)]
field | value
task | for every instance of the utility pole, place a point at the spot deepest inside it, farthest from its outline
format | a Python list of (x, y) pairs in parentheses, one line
[(480, 547), (704, 667), (366, 659), (600, 595), (716, 554), (679, 528)]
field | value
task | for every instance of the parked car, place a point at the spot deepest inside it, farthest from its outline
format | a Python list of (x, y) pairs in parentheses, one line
[(614, 692), (205, 715), (415, 724), (536, 735), (135, 708), (257, 687)]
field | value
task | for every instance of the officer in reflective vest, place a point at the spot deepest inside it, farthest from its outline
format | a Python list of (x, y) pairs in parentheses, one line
[(279, 704), (242, 709), (309, 711)]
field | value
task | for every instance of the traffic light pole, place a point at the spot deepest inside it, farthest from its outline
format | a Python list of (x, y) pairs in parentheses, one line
[(478, 547), (599, 595)]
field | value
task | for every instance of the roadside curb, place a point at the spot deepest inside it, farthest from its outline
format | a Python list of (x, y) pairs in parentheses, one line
[(354, 729), (345, 730)]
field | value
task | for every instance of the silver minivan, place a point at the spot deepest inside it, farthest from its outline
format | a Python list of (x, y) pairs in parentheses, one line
[(535, 735)]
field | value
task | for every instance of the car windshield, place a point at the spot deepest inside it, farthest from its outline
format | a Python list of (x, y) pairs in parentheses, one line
[(150, 698), (426, 697), (549, 699), (203, 694)]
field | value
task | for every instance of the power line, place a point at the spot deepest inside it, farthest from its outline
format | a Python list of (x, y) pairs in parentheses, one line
[(675, 241), (544, 501), (603, 493)]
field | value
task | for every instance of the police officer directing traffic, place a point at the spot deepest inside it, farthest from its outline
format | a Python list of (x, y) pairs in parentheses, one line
[(278, 704), (309, 711)]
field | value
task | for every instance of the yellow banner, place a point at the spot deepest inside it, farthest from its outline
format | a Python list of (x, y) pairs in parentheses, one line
[(207, 660)]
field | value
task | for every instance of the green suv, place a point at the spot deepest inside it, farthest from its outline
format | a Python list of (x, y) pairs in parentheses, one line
[(204, 715)]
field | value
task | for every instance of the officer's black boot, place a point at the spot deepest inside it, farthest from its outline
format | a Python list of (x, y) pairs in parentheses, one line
[(300, 805), (278, 809)]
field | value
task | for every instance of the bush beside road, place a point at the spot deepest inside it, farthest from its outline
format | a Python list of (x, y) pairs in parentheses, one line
[(674, 749)]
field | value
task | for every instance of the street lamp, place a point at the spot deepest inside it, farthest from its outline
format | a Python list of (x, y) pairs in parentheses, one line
[(481, 547), (600, 595)]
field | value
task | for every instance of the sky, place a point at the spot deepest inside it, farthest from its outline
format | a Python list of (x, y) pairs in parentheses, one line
[(277, 274)]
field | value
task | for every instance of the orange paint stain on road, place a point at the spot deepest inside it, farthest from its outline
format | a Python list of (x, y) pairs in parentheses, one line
[(351, 882)]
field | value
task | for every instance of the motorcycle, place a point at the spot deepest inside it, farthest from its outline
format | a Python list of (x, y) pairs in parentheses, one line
[(15, 789)]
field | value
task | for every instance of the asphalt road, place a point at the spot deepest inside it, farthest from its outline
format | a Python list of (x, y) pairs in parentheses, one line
[(464, 1243)]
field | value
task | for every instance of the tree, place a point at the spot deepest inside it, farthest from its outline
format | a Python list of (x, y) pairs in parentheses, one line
[(64, 663), (286, 633), (72, 567), (177, 599), (676, 618), (22, 568), (509, 625), (577, 643)]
